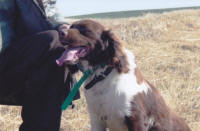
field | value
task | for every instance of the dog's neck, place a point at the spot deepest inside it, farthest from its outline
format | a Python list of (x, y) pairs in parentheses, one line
[(99, 70), (100, 77), (98, 73)]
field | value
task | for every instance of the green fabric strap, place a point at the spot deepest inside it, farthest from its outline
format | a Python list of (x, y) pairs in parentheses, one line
[(75, 89)]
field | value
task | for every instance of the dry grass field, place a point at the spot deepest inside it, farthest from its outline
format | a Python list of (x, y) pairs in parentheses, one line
[(167, 50)]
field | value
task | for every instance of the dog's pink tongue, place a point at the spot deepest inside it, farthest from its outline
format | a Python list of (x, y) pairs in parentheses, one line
[(68, 55), (72, 54)]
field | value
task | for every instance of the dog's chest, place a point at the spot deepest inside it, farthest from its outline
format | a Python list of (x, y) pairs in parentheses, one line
[(109, 101), (105, 105)]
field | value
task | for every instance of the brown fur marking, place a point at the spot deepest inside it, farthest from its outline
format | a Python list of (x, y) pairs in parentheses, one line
[(139, 76), (150, 113)]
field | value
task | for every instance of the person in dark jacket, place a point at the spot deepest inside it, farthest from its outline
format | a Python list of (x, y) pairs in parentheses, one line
[(29, 75)]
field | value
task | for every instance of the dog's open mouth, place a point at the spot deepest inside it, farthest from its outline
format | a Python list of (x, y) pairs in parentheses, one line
[(72, 55)]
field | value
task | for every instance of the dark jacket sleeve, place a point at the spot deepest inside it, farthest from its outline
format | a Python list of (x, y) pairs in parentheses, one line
[(21, 18), (55, 19), (7, 20)]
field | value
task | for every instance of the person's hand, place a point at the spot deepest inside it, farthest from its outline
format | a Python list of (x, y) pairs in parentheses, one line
[(63, 32)]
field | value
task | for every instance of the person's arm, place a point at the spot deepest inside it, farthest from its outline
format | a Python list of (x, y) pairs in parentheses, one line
[(55, 18)]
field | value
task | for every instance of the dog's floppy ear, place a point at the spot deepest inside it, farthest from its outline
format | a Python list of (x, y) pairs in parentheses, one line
[(115, 50)]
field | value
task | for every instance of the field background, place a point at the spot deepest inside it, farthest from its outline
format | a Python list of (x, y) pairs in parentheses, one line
[(130, 13), (167, 50)]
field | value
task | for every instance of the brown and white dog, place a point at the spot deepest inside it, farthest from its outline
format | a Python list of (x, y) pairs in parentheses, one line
[(118, 97)]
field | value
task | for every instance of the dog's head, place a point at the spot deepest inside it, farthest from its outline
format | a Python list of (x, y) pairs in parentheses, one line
[(89, 41)]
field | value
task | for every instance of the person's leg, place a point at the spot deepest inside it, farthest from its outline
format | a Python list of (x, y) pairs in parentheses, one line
[(44, 91), (21, 56), (43, 98), (30, 65)]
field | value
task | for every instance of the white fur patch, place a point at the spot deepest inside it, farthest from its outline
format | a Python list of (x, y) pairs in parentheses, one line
[(109, 100)]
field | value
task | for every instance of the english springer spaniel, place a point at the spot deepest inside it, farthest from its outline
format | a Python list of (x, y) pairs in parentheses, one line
[(118, 97)]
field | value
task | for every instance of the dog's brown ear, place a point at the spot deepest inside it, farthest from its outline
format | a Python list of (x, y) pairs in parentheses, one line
[(116, 52)]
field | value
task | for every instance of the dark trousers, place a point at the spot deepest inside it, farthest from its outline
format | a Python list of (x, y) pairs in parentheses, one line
[(29, 76)]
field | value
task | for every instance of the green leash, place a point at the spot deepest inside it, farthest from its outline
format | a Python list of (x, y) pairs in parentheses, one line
[(75, 89)]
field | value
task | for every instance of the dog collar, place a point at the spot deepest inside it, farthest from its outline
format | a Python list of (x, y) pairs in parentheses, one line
[(98, 78)]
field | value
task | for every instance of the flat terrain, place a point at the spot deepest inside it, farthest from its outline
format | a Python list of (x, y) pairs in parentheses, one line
[(130, 13), (167, 50)]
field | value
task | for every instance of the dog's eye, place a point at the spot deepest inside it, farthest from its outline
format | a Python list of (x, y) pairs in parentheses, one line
[(81, 29), (70, 41)]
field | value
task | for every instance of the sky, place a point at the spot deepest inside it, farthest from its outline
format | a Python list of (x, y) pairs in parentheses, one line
[(80, 7)]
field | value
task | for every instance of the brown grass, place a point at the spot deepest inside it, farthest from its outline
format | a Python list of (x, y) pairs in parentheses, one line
[(167, 50)]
